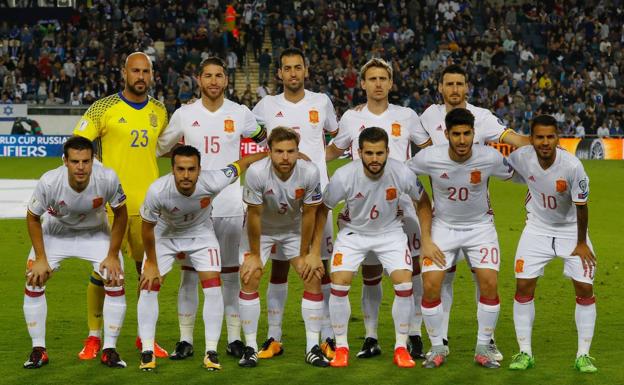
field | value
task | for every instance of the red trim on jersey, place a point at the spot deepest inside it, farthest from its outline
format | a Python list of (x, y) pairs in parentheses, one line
[(115, 293), (230, 269), (586, 301), (212, 282), (523, 299), (188, 268), (248, 296), (404, 293), (33, 294), (312, 297), (430, 305), (339, 293), (487, 301), (372, 282)]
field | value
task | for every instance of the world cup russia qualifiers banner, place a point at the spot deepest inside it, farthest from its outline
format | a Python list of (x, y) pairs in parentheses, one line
[(586, 148), (31, 146)]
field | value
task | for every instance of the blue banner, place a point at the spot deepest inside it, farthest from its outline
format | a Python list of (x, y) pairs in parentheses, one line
[(31, 146)]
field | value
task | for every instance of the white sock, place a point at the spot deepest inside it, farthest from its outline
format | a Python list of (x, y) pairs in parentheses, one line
[(188, 300), (230, 290), (213, 312), (147, 316), (276, 301), (402, 310), (585, 316), (249, 305), (523, 315), (487, 315), (371, 300), (446, 295), (433, 315), (416, 319), (326, 328), (35, 314), (114, 312), (312, 313), (95, 333), (340, 312)]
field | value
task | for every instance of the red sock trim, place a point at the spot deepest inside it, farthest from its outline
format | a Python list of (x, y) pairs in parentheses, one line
[(586, 301), (339, 293), (278, 281), (488, 301), (372, 282), (451, 269), (188, 268), (429, 305), (34, 294), (326, 280), (312, 297), (248, 296), (523, 299), (115, 293), (229, 269), (212, 282), (404, 293)]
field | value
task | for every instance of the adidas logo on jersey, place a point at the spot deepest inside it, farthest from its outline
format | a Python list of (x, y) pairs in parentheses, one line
[(270, 192), (359, 196), (362, 128), (532, 178), (279, 115), (195, 124), (439, 128), (175, 210), (122, 120), (444, 176)]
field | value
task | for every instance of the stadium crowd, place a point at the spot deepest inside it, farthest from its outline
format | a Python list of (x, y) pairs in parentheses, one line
[(564, 58)]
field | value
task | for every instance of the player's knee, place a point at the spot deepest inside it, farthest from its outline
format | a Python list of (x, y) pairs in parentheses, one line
[(432, 287), (525, 287), (583, 289)]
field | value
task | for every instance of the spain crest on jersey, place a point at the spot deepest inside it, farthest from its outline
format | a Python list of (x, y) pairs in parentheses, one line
[(475, 177), (396, 129), (561, 185), (228, 126), (337, 260), (153, 120), (299, 193), (97, 202), (391, 193), (314, 116), (204, 202)]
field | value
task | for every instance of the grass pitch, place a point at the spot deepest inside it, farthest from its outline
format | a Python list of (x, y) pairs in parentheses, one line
[(554, 335)]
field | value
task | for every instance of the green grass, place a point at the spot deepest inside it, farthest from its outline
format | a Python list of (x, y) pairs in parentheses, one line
[(554, 337)]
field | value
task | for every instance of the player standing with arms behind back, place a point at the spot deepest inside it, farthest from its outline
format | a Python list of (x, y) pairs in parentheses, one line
[(556, 226), (125, 127)]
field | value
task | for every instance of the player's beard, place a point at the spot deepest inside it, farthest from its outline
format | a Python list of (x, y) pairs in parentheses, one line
[(206, 92), (293, 88), (467, 147), (378, 172), (133, 90), (281, 167)]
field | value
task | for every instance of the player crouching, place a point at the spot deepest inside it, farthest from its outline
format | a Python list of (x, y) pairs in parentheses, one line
[(282, 194), (177, 226), (371, 188), (72, 199)]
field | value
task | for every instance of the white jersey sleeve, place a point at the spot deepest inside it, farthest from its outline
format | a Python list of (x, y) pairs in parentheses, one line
[(171, 135), (500, 166), (412, 186), (214, 181), (335, 191), (415, 130), (39, 201), (488, 127), (253, 189), (116, 196), (580, 185), (420, 136), (344, 139), (150, 210), (331, 121), (251, 128), (313, 194)]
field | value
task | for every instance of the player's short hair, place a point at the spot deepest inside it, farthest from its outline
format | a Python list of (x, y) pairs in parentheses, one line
[(77, 142), (149, 60), (453, 69), (210, 60), (375, 62), (281, 134), (372, 135), (185, 150), (458, 117), (544, 120), (291, 51)]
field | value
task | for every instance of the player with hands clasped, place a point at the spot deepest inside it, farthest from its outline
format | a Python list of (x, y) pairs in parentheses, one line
[(556, 226), (71, 200)]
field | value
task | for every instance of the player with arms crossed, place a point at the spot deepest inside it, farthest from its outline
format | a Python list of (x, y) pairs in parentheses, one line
[(453, 87), (463, 223), (311, 115), (401, 125), (282, 194), (557, 219), (125, 127), (371, 188), (177, 225), (71, 200), (214, 125)]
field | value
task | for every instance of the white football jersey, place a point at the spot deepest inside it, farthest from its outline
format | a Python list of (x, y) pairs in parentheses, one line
[(401, 124), (371, 205), (282, 200), (553, 193), (460, 190), (179, 216), (66, 210), (311, 117), (217, 136), (488, 128)]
